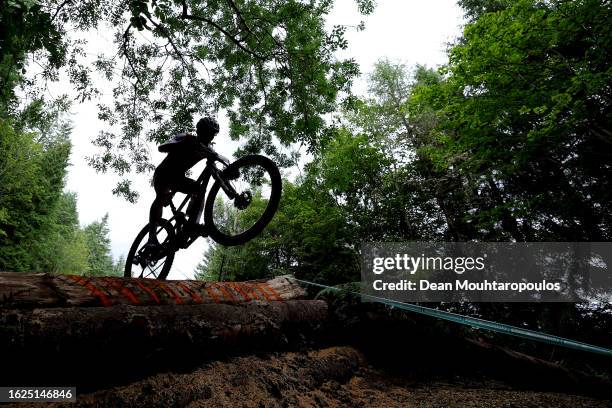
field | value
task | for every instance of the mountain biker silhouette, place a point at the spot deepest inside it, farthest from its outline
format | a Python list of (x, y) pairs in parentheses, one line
[(184, 151), (235, 185)]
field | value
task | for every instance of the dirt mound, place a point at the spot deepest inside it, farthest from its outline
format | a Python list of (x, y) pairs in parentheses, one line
[(333, 377)]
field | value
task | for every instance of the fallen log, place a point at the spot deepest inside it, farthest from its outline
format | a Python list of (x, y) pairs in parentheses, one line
[(80, 344), (21, 291)]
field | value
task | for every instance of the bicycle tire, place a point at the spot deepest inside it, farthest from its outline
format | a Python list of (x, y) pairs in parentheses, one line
[(127, 272), (275, 195)]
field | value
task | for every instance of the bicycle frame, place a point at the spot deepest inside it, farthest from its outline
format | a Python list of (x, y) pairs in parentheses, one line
[(183, 227), (180, 217)]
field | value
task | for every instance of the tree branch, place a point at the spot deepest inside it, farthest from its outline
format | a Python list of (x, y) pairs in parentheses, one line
[(186, 16), (126, 38), (59, 8), (242, 20), (168, 36)]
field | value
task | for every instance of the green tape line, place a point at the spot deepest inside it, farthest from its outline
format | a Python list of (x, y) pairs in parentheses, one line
[(475, 322)]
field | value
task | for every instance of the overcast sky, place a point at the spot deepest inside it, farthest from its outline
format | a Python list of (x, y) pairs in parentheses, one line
[(411, 31)]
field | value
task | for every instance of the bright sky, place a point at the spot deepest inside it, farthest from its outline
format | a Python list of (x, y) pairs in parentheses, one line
[(411, 31)]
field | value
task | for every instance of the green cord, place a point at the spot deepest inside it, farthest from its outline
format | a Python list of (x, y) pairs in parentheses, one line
[(475, 322)]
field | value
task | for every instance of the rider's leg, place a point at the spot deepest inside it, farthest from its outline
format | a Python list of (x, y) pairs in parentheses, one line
[(155, 214), (163, 194)]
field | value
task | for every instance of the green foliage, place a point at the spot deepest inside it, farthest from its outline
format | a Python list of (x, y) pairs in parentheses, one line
[(526, 108), (25, 29), (307, 236), (99, 259), (68, 246), (271, 64), (39, 225), (354, 173), (31, 182), (405, 198), (509, 141), (118, 267), (476, 8)]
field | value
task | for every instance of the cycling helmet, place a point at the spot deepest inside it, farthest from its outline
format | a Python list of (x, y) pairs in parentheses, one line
[(207, 128)]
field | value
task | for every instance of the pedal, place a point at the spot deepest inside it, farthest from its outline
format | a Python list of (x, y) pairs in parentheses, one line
[(199, 230), (202, 230)]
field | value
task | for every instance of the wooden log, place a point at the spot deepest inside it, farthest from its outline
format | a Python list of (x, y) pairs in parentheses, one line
[(201, 323), (73, 342), (21, 290)]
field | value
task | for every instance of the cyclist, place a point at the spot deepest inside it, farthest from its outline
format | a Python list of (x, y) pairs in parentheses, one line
[(184, 151)]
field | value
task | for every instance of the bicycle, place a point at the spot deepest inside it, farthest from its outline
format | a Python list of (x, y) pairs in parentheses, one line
[(244, 183)]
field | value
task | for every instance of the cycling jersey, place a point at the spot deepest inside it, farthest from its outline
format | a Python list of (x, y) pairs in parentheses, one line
[(184, 151)]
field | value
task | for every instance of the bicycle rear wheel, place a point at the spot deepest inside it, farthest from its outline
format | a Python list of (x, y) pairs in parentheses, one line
[(140, 264), (235, 221)]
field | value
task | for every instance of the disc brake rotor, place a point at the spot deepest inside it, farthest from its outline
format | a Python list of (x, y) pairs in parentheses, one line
[(243, 200)]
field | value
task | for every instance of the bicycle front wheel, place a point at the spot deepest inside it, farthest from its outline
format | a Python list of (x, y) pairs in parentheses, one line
[(234, 221)]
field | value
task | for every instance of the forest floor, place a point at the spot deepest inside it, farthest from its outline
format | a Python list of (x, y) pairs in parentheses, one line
[(329, 377)]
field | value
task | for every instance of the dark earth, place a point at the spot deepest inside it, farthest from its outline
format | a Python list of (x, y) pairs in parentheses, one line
[(329, 377)]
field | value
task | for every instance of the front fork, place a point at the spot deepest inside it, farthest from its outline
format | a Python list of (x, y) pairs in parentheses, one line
[(241, 199), (227, 187)]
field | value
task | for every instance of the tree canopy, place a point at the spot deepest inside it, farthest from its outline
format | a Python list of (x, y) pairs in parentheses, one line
[(39, 224), (270, 64), (526, 120)]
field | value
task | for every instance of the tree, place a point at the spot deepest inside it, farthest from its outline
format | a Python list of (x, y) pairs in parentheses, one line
[(523, 118), (39, 224), (476, 8), (68, 252), (26, 29), (354, 172), (424, 201), (308, 237), (32, 170), (526, 112), (118, 267), (270, 64), (100, 260)]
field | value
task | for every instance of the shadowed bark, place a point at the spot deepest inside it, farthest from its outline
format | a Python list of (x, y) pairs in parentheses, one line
[(20, 290)]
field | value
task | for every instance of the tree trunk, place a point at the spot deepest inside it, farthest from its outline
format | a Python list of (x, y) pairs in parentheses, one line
[(20, 290), (68, 343)]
